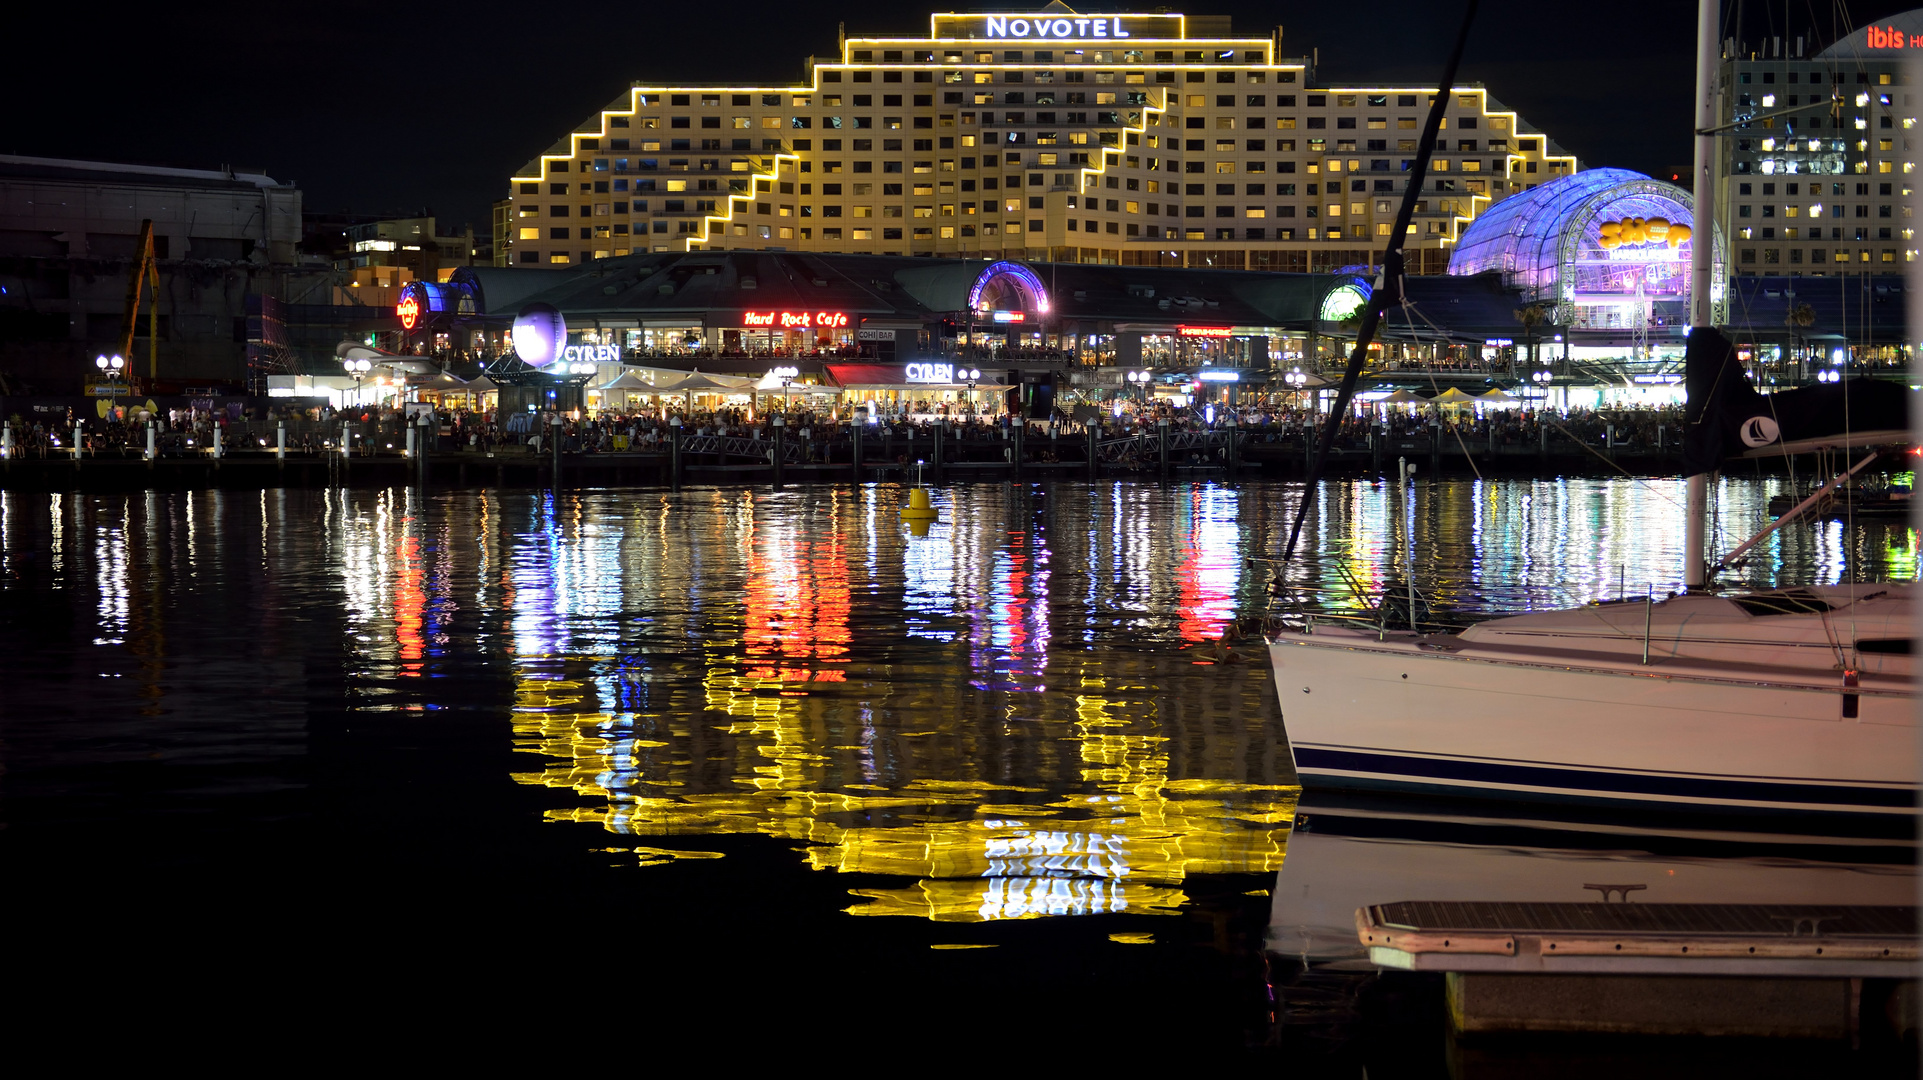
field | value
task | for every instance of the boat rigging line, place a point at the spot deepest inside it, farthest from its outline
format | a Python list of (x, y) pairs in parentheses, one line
[(1388, 286)]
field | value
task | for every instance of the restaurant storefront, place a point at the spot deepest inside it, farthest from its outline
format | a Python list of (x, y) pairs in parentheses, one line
[(896, 334), (921, 389)]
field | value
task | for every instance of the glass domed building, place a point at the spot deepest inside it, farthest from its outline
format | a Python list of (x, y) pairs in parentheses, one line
[(1610, 248)]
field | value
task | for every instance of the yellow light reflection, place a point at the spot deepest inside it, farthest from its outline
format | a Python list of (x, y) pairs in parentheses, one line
[(943, 765)]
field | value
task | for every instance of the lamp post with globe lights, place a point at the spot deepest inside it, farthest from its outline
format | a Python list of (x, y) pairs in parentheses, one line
[(969, 376), (111, 366), (1140, 379), (358, 367)]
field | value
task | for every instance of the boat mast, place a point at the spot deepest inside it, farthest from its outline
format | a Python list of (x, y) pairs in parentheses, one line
[(1702, 254)]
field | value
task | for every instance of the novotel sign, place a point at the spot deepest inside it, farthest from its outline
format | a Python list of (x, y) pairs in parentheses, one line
[(795, 320), (1041, 26), (1049, 26)]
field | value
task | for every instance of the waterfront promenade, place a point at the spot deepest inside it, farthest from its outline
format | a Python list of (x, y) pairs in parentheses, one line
[(386, 451)]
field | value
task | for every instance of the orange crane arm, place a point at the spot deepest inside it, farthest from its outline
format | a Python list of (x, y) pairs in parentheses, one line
[(144, 270)]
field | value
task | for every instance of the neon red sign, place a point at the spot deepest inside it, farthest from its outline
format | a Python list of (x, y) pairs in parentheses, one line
[(796, 320), (409, 309), (1203, 331), (1891, 38)]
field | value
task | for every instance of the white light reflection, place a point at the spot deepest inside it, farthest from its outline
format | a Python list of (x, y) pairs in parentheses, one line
[(110, 577)]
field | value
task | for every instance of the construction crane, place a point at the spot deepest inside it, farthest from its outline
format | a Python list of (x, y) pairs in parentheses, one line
[(144, 271)]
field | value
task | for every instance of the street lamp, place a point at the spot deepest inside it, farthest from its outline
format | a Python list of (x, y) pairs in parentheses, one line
[(1829, 376), (1141, 379), (358, 367), (110, 366), (1295, 378)]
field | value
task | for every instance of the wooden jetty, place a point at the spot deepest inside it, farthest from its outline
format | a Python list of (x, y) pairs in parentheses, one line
[(1757, 970)]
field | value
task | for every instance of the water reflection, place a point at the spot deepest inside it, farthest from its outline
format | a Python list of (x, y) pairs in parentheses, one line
[(898, 703), (1026, 712)]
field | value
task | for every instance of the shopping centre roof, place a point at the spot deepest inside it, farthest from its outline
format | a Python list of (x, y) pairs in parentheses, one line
[(1521, 236)]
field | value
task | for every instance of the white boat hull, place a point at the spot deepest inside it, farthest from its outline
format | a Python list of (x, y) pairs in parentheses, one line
[(1366, 715)]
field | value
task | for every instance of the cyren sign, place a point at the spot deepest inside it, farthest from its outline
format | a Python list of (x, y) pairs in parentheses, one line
[(591, 354), (929, 373), (409, 309), (796, 320)]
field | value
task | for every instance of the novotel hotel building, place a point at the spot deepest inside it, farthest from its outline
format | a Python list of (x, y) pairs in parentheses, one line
[(1052, 135)]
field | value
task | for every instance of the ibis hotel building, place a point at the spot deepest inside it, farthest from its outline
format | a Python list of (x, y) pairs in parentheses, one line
[(1052, 135)]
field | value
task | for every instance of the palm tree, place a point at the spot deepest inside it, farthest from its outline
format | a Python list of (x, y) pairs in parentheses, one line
[(1532, 316)]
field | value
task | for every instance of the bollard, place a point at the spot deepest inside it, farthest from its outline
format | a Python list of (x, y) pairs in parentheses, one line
[(408, 451), (6, 442), (213, 437), (674, 452), (1402, 470), (856, 425), (1435, 448), (76, 444), (1376, 441), (152, 451), (1017, 426), (1234, 464), (430, 432), (780, 425), (1094, 431), (1542, 442), (554, 432), (280, 443), (347, 447), (1161, 427)]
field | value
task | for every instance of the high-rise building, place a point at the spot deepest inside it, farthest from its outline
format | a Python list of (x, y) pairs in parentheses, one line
[(1814, 173), (1143, 139)]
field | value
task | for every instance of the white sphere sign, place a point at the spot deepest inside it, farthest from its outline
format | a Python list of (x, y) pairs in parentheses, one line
[(539, 333)]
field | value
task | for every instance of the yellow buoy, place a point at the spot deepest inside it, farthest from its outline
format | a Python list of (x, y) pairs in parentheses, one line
[(919, 513)]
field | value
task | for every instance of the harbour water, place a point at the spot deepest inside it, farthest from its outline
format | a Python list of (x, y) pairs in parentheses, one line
[(725, 753)]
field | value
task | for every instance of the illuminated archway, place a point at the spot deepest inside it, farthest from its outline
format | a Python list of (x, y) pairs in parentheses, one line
[(1003, 282), (1343, 301)]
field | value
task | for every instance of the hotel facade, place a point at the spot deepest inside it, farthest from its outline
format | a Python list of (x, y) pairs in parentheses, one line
[(1815, 175), (1057, 136)]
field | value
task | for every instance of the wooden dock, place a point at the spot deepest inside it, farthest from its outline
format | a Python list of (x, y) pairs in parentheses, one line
[(1746, 970), (1642, 939)]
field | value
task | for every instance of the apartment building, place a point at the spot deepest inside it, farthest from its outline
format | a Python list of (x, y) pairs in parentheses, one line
[(1137, 139)]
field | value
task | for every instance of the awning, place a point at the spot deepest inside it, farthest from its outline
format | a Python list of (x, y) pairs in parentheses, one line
[(627, 380), (698, 383), (893, 377)]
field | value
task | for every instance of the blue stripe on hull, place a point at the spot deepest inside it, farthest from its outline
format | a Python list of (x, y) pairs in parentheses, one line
[(1437, 774)]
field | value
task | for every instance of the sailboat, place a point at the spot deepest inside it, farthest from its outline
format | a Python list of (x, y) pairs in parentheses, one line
[(1794, 701)]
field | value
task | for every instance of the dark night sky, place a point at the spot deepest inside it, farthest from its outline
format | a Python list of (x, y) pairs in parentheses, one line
[(385, 107)]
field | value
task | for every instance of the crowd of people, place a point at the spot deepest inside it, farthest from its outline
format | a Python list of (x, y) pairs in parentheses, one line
[(377, 430)]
